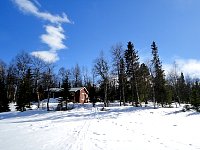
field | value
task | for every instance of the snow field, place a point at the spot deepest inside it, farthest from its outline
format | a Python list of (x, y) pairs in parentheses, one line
[(87, 128)]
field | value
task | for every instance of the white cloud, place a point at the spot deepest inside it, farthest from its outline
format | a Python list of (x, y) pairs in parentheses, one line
[(190, 67), (47, 56), (54, 32), (54, 37), (29, 7), (37, 3)]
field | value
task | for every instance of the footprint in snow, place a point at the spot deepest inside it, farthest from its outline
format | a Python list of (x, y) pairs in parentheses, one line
[(96, 133), (44, 127)]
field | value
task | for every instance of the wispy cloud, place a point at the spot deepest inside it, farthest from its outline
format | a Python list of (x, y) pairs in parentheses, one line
[(28, 6), (47, 56), (190, 67), (54, 36)]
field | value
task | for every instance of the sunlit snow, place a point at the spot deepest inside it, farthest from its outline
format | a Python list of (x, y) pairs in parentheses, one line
[(88, 128)]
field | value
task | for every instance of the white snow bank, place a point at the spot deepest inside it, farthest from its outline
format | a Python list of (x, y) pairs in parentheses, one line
[(88, 128)]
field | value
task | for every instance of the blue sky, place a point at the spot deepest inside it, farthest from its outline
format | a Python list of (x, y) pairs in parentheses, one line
[(75, 31)]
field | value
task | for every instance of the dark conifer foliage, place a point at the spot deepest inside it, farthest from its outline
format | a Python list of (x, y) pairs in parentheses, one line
[(4, 102), (66, 86), (158, 77), (92, 94), (3, 96), (132, 67), (183, 90), (25, 91), (195, 95), (29, 79), (144, 85)]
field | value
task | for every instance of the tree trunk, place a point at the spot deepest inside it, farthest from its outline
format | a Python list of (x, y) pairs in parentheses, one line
[(105, 96), (154, 99), (120, 93), (132, 93), (66, 105), (38, 95), (138, 98), (123, 94), (48, 99)]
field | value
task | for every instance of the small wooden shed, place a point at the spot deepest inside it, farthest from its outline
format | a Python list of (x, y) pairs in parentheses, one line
[(79, 94)]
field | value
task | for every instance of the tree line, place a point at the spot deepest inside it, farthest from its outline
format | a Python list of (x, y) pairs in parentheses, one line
[(126, 79)]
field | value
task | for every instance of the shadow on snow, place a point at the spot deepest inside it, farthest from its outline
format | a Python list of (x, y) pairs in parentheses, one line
[(82, 113)]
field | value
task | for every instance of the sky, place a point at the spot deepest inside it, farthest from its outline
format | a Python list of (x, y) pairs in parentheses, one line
[(72, 32)]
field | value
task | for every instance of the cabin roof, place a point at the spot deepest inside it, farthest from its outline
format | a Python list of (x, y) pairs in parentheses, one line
[(77, 89), (56, 89), (71, 89)]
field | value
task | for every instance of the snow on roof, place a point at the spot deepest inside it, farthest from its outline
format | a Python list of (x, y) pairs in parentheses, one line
[(56, 89), (71, 90), (77, 88)]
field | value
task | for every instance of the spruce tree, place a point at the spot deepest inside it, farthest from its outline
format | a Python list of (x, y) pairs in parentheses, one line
[(195, 96), (3, 96), (92, 94), (182, 89), (4, 102), (144, 83), (25, 91), (158, 76), (132, 66), (66, 86)]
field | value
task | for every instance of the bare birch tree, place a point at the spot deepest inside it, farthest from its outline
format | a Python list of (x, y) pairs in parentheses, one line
[(101, 69)]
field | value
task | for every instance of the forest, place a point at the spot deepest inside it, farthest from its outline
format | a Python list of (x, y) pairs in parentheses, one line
[(26, 78)]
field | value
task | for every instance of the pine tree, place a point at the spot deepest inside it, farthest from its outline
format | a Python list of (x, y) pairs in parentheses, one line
[(144, 83), (66, 86), (158, 76), (195, 96), (182, 89), (92, 94), (132, 66), (25, 91), (4, 102)]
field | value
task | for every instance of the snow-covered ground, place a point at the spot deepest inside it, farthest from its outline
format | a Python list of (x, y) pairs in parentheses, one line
[(87, 128)]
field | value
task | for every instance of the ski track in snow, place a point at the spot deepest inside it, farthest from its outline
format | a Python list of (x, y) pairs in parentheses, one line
[(88, 128)]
